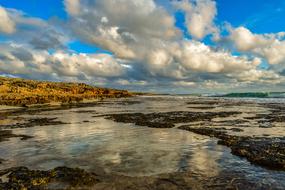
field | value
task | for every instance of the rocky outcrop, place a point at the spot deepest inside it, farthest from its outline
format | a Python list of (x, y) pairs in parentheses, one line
[(20, 92), (267, 152)]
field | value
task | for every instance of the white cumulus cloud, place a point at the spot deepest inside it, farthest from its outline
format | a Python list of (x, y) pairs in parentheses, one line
[(7, 25), (200, 15), (269, 46)]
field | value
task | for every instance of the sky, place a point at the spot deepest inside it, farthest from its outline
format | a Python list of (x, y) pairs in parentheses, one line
[(167, 46)]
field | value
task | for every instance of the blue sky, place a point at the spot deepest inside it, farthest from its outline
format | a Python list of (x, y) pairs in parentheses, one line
[(36, 8), (260, 16), (243, 12), (224, 25)]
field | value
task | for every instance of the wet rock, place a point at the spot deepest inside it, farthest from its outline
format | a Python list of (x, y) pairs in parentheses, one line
[(23, 178), (85, 111), (35, 122), (236, 129), (265, 125), (122, 103), (6, 134), (267, 152), (212, 132), (262, 151), (42, 108), (201, 107), (234, 181), (276, 114), (257, 117), (220, 102), (74, 178), (167, 119), (236, 122), (206, 102)]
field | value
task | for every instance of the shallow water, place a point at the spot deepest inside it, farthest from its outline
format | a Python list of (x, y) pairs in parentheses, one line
[(91, 142)]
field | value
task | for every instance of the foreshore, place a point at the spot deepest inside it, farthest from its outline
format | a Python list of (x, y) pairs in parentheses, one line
[(202, 116), (75, 178)]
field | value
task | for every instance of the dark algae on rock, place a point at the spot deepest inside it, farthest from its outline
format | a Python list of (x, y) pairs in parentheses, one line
[(167, 119), (75, 178), (35, 122), (268, 152), (60, 177), (221, 119)]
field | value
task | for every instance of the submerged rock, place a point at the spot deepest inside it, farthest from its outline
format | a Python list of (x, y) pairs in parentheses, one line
[(6, 134), (35, 122)]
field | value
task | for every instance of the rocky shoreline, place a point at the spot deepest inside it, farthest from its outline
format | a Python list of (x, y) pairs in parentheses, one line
[(22, 92), (268, 152), (75, 178)]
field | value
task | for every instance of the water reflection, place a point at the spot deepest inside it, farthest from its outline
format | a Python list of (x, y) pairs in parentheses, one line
[(101, 144), (120, 148)]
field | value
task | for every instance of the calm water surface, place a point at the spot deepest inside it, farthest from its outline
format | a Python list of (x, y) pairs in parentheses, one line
[(96, 144)]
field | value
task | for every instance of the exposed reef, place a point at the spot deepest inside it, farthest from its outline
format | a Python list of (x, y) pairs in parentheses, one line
[(167, 119), (75, 178), (268, 152), (58, 178), (26, 123), (228, 125)]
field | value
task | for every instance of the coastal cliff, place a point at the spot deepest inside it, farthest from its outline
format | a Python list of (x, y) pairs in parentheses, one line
[(22, 92)]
